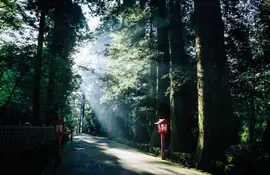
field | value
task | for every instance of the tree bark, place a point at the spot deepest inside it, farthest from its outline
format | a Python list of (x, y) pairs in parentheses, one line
[(56, 48), (140, 135), (154, 140), (38, 64), (217, 127), (83, 110), (266, 138), (181, 112), (50, 106), (252, 115), (163, 101), (128, 3), (142, 4)]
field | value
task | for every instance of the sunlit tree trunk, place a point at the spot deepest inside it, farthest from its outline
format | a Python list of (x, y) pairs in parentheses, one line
[(38, 64), (217, 128), (180, 111)]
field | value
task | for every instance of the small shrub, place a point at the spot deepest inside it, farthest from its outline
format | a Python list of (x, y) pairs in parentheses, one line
[(248, 158), (155, 151)]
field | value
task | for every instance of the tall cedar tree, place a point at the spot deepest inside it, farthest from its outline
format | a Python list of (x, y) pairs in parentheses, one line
[(180, 108), (38, 64), (163, 63), (42, 6), (68, 19), (216, 124)]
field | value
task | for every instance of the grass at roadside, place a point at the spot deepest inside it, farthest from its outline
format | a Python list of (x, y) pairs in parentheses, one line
[(179, 158)]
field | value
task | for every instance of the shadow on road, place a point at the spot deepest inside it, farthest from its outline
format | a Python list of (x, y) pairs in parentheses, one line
[(86, 156), (94, 155)]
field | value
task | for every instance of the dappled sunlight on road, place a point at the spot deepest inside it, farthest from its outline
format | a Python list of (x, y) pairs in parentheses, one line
[(88, 141), (137, 161), (128, 154), (128, 158)]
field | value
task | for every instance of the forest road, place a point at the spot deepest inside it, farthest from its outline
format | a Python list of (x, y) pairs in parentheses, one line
[(91, 155)]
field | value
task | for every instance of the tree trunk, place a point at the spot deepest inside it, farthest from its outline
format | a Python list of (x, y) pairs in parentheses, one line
[(163, 100), (56, 48), (159, 13), (181, 115), (154, 140), (128, 3), (152, 90), (80, 123), (142, 4), (83, 110), (50, 106), (140, 135), (266, 138), (252, 115), (38, 64), (217, 127), (126, 132)]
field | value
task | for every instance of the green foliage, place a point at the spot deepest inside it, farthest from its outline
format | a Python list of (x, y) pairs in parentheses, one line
[(15, 73), (127, 89), (9, 17), (249, 68), (244, 133), (183, 158), (16, 65), (265, 27), (155, 151), (92, 122)]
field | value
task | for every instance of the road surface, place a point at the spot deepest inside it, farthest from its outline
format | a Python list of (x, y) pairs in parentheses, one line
[(90, 155)]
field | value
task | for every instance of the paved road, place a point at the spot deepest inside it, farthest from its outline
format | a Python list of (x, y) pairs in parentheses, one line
[(89, 155)]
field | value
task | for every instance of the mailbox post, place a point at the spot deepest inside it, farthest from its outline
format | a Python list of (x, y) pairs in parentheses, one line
[(71, 134), (162, 129), (58, 131)]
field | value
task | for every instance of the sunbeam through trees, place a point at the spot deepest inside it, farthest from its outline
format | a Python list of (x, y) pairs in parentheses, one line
[(115, 67)]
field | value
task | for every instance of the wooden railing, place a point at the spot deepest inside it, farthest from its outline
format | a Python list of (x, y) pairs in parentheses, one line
[(14, 135)]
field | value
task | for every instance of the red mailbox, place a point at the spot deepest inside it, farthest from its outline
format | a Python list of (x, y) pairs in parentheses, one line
[(58, 131), (162, 129), (58, 127), (162, 126)]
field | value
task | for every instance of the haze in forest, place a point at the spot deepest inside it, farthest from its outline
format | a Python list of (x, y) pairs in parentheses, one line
[(114, 68)]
